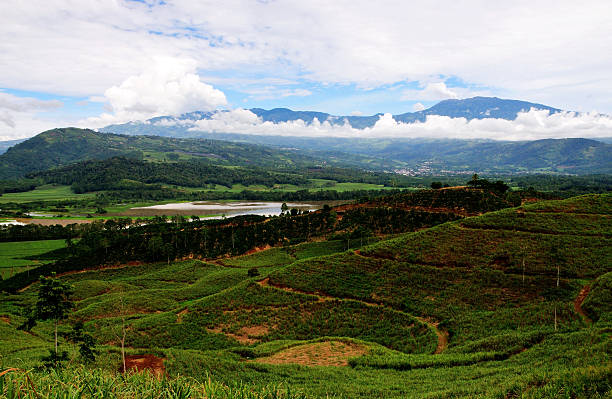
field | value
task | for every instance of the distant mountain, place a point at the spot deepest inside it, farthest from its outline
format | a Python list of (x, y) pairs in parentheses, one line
[(470, 108), (476, 108)]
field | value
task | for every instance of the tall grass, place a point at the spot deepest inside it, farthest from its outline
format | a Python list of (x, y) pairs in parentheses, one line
[(81, 383)]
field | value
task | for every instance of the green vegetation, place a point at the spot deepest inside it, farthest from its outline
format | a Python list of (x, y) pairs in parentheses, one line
[(60, 147), (46, 192), (492, 306), (83, 383)]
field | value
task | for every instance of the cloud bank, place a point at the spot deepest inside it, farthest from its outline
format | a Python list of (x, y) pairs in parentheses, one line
[(531, 125)]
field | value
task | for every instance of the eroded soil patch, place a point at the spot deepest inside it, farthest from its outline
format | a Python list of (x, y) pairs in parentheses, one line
[(149, 363)]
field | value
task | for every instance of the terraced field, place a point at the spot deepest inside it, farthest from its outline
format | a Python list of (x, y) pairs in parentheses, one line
[(513, 303)]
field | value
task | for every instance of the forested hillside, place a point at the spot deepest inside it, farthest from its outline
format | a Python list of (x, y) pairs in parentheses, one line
[(60, 147)]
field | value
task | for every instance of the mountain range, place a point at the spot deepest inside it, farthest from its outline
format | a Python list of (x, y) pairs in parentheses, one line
[(60, 147), (470, 108)]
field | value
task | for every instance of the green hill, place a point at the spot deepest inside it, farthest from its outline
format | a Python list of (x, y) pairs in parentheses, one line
[(511, 303), (59, 147)]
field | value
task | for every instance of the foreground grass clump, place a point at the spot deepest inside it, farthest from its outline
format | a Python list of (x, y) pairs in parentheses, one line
[(83, 383)]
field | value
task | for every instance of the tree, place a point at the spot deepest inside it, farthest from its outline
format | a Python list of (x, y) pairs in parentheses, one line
[(436, 185), (253, 272), (53, 301), (85, 341)]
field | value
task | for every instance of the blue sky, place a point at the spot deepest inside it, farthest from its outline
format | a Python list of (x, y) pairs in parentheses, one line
[(95, 62)]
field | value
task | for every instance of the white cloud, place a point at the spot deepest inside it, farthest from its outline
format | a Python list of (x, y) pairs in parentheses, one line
[(531, 125), (26, 104), (168, 87), (418, 107), (356, 113), (436, 91), (19, 115), (82, 48)]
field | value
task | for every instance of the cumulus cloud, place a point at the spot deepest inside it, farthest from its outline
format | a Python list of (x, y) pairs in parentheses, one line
[(530, 125), (168, 87)]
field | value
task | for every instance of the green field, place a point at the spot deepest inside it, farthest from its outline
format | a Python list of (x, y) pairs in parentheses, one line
[(48, 192), (12, 254), (510, 304)]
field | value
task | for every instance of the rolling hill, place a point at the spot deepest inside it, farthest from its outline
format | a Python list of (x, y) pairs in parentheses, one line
[(509, 303), (60, 147)]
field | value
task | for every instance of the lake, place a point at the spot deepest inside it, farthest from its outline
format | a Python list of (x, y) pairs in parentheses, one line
[(218, 209)]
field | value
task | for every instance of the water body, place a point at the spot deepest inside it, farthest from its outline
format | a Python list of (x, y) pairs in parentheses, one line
[(217, 209)]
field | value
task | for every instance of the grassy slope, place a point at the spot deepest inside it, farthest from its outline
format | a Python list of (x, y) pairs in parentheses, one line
[(13, 255), (467, 275)]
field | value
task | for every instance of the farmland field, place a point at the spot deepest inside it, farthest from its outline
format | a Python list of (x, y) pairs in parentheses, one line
[(12, 255), (47, 192)]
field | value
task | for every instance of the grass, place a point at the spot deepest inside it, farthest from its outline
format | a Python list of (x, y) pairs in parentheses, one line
[(83, 383), (48, 192), (19, 256)]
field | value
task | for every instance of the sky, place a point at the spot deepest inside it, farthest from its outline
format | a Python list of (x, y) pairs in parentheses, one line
[(90, 63)]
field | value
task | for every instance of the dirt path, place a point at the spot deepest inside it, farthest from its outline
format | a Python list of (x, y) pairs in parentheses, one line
[(441, 334), (578, 303)]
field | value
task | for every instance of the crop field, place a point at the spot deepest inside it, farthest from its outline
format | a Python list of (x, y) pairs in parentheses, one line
[(510, 304), (16, 257), (47, 192)]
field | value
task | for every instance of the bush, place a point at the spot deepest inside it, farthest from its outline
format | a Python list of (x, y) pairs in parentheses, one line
[(253, 272)]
